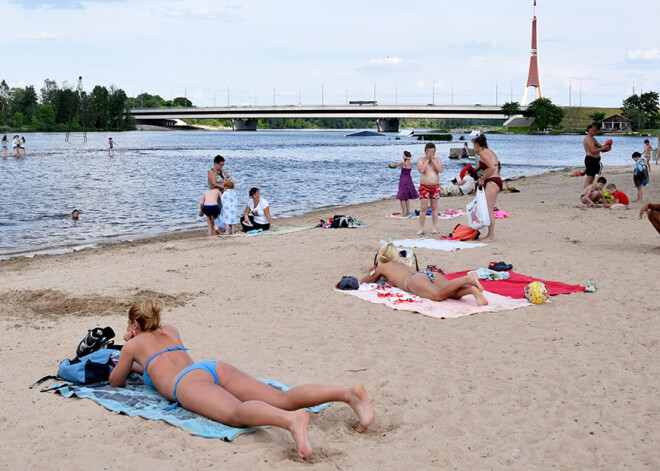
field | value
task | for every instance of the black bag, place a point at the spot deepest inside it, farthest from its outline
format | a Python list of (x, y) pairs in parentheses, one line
[(339, 222)]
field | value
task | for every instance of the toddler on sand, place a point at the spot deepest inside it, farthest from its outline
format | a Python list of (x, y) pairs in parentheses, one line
[(229, 214)]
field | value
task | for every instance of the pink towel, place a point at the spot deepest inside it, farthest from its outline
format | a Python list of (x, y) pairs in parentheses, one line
[(500, 214), (403, 301)]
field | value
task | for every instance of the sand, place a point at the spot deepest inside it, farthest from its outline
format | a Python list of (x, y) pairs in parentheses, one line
[(572, 384)]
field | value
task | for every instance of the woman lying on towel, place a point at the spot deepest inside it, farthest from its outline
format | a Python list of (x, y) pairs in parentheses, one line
[(217, 390), (425, 284)]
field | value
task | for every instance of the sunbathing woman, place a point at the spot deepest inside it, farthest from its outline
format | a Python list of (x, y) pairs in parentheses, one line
[(425, 284), (217, 390)]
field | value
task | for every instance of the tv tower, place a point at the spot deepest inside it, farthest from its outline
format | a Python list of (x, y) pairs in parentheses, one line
[(533, 79)]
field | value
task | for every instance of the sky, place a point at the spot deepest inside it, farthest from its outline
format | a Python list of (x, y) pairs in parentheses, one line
[(284, 52)]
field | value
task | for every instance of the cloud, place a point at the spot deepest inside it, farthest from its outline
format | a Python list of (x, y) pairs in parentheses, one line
[(40, 36), (651, 55), (57, 4), (230, 14), (479, 45), (394, 61)]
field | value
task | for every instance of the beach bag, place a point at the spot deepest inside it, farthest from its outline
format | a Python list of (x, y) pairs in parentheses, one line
[(92, 368), (462, 232), (477, 210), (339, 222)]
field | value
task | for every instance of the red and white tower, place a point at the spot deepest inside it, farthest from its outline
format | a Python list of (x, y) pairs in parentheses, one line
[(533, 78)]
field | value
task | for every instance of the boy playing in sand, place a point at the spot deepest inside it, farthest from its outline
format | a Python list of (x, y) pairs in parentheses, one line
[(640, 174), (593, 193), (210, 208), (615, 199)]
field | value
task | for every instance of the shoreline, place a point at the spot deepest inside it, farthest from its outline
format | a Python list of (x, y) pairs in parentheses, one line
[(187, 233), (488, 391)]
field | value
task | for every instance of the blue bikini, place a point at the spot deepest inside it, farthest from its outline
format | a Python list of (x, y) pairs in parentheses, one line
[(208, 366)]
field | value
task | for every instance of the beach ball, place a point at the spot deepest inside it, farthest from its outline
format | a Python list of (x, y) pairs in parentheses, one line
[(536, 292)]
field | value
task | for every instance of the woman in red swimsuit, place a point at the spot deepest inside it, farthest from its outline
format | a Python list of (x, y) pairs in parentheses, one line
[(490, 180)]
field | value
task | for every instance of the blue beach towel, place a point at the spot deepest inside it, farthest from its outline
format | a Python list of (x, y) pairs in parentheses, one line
[(136, 399)]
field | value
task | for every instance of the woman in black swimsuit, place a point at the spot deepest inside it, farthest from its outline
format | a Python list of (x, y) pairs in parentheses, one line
[(490, 180)]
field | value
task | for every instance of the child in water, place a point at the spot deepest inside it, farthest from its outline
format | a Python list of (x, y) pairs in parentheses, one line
[(229, 214), (407, 189), (210, 208)]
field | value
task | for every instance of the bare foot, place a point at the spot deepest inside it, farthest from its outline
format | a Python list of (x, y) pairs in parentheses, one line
[(298, 431), (479, 296), (473, 279), (435, 231), (487, 239), (361, 404), (420, 232)]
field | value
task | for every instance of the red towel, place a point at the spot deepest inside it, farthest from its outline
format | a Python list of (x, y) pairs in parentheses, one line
[(514, 286)]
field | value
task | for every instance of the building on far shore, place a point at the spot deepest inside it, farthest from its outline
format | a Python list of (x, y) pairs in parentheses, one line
[(616, 123)]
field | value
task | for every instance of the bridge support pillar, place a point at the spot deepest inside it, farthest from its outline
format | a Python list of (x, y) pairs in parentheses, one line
[(388, 125), (244, 124)]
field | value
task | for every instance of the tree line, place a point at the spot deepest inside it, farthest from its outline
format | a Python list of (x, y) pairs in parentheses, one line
[(643, 110), (54, 107)]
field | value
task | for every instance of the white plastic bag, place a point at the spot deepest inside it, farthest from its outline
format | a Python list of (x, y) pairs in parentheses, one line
[(477, 211)]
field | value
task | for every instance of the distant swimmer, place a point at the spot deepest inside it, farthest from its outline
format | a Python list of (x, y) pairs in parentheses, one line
[(75, 214)]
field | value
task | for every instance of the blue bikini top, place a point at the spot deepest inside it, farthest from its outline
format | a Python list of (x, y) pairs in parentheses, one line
[(145, 375)]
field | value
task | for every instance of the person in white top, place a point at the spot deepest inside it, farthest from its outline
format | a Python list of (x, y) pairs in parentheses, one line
[(257, 213)]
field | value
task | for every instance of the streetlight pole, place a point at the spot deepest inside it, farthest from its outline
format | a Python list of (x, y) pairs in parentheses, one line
[(569, 91)]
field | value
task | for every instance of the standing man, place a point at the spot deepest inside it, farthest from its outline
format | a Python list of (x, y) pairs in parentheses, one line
[(593, 149), (430, 167)]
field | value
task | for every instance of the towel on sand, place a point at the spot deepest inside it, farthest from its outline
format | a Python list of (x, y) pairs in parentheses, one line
[(383, 293), (137, 399), (280, 230), (515, 285), (446, 245)]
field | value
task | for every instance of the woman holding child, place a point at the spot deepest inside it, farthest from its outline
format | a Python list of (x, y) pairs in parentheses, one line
[(257, 213), (490, 179), (218, 390)]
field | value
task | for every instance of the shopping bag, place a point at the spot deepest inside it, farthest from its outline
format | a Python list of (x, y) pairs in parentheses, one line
[(477, 211)]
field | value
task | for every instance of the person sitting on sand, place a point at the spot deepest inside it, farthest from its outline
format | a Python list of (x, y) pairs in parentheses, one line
[(425, 284), (218, 390), (257, 213), (593, 193), (615, 199), (653, 213)]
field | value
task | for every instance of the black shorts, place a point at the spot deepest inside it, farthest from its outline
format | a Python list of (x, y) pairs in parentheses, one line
[(593, 165), (211, 210)]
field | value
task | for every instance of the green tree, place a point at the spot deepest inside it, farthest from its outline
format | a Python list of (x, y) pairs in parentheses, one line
[(544, 113), (5, 99), (182, 102), (596, 117), (97, 109), (46, 118), (641, 109), (17, 122), (511, 109)]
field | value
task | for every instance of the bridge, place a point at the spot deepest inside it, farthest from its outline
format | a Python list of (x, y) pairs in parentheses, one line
[(244, 118)]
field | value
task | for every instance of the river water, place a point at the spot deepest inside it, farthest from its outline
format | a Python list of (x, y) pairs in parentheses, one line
[(154, 182)]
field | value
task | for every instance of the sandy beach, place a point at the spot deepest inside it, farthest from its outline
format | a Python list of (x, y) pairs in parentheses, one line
[(571, 384)]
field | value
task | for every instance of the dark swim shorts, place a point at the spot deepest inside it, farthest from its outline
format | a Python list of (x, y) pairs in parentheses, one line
[(211, 210), (594, 166)]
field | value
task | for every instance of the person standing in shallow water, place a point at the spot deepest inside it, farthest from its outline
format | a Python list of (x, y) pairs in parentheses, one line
[(111, 147), (5, 146)]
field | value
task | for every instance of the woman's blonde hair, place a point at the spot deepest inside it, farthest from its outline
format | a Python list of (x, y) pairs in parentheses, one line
[(146, 313), (387, 253)]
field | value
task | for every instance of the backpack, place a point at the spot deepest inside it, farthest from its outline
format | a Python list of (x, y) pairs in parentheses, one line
[(339, 222), (462, 232), (92, 368)]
